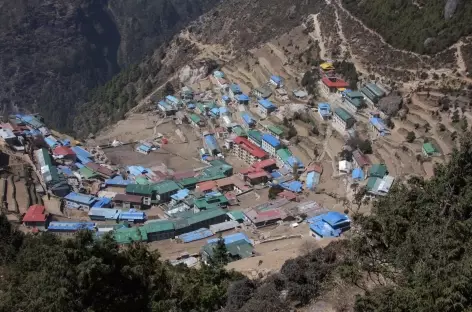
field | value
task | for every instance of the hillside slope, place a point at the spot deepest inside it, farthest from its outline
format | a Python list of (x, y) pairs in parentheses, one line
[(52, 52)]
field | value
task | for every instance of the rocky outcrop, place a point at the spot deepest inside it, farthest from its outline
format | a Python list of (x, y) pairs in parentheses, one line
[(450, 8)]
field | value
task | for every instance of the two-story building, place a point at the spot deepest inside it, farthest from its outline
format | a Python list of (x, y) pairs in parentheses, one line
[(332, 84), (270, 144), (354, 101), (265, 107), (343, 119)]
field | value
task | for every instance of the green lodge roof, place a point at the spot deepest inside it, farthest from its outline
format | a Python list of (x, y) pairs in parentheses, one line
[(429, 148), (137, 189), (275, 130), (195, 118), (158, 226), (87, 173), (343, 114), (239, 131), (255, 135), (130, 235), (166, 186), (378, 170), (284, 154)]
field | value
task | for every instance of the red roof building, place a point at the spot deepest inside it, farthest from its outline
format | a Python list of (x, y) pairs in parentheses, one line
[(65, 152), (315, 168), (360, 160), (232, 184), (102, 170), (183, 174), (35, 216), (206, 186), (264, 218), (332, 84), (248, 151), (288, 195)]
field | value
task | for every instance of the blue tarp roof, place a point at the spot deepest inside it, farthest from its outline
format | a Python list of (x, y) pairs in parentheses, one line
[(181, 194), (137, 170), (191, 105), (324, 108), (70, 226), (172, 99), (266, 103), (79, 165), (107, 213), (294, 186), (270, 139), (357, 174), (118, 180), (196, 235), (215, 111), (275, 174), (231, 238), (102, 202), (218, 74), (378, 123), (79, 151), (242, 97), (225, 98), (276, 79), (80, 198), (132, 215)]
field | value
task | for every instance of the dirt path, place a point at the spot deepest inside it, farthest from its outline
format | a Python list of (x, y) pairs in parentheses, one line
[(316, 35)]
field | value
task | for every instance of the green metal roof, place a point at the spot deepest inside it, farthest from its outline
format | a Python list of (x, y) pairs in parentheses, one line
[(158, 226), (185, 182), (240, 248), (138, 189), (87, 173), (371, 183), (205, 215), (219, 169), (275, 130), (343, 114), (239, 131), (165, 187), (355, 94), (255, 135), (129, 235), (429, 148), (284, 153), (195, 118), (378, 170), (207, 203), (46, 156), (142, 181), (237, 215), (355, 101)]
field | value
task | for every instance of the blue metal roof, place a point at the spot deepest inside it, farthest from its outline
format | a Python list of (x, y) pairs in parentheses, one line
[(181, 194), (51, 141), (357, 174), (275, 174), (231, 238), (165, 105), (242, 97), (79, 151), (79, 165), (196, 235), (218, 74), (266, 103), (211, 142), (144, 148), (132, 215), (172, 99), (106, 213), (215, 111), (312, 179), (271, 140), (84, 199), (292, 160), (294, 186), (66, 171), (82, 159), (276, 79), (191, 105), (378, 123), (70, 226), (225, 98), (335, 219), (223, 110), (118, 180), (102, 202), (247, 119), (235, 88), (323, 229)]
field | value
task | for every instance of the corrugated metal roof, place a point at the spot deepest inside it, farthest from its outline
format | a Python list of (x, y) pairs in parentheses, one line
[(130, 235), (80, 198), (156, 226), (271, 140), (166, 186), (224, 226), (132, 215), (231, 238), (70, 226), (82, 152), (106, 213), (128, 198), (195, 235), (343, 114), (266, 104)]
